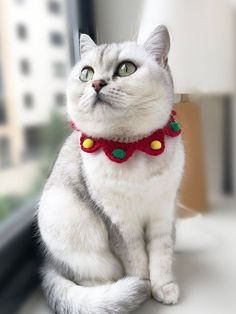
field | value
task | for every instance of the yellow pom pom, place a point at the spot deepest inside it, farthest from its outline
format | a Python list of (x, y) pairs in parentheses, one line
[(156, 145), (88, 143)]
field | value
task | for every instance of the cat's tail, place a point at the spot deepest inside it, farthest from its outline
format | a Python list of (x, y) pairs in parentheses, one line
[(120, 297)]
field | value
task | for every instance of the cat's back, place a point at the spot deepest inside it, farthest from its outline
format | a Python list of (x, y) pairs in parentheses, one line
[(67, 167)]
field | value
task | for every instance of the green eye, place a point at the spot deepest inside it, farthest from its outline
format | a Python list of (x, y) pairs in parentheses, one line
[(86, 74), (126, 68)]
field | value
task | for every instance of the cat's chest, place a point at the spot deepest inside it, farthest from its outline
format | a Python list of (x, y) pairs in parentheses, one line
[(136, 182)]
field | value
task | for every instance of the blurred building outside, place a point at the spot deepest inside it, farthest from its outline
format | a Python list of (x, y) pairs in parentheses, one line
[(34, 62)]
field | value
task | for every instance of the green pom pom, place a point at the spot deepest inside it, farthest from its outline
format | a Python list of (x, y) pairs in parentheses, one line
[(175, 126), (119, 153)]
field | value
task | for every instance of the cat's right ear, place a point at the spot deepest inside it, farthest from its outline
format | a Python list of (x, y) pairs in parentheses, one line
[(86, 44), (158, 44)]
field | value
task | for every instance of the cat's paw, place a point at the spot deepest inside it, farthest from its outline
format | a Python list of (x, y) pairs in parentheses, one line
[(166, 294)]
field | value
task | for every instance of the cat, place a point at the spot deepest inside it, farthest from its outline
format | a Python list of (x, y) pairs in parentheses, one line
[(107, 228)]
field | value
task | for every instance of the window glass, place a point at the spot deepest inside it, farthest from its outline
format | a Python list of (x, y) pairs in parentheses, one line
[(32, 122)]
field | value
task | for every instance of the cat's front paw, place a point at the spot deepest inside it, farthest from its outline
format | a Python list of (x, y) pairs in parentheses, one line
[(167, 294)]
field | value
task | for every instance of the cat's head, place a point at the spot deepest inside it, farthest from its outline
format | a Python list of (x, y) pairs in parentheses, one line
[(121, 91)]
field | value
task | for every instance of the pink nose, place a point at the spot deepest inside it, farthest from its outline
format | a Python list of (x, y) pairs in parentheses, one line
[(98, 85)]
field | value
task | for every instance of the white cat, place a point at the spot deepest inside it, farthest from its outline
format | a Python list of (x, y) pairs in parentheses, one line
[(107, 226)]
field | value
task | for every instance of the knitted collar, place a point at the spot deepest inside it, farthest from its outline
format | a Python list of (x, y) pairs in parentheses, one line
[(119, 152)]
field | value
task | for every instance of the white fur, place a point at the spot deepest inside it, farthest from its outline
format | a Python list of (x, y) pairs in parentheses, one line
[(139, 195), (136, 197)]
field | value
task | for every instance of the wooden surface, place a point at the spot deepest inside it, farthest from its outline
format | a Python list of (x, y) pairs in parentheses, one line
[(193, 191)]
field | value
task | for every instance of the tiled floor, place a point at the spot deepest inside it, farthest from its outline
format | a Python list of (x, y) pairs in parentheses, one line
[(205, 267)]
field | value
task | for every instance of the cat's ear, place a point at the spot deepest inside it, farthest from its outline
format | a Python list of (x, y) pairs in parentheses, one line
[(158, 44), (86, 43)]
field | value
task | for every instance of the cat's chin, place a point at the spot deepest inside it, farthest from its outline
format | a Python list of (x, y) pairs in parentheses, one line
[(101, 102), (106, 110)]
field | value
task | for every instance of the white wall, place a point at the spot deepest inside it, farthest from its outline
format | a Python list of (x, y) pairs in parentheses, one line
[(117, 20)]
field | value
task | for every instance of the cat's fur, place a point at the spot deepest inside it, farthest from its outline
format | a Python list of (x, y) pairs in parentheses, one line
[(108, 228)]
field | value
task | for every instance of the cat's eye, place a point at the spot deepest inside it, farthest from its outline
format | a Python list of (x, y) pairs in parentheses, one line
[(126, 68), (86, 74)]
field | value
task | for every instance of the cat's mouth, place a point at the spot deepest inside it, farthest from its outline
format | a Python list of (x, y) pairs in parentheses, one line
[(100, 100)]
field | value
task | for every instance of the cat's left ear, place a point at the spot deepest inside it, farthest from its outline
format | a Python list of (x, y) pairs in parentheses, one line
[(158, 44), (86, 44)]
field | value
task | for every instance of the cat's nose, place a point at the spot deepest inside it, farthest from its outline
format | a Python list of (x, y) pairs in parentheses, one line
[(98, 85)]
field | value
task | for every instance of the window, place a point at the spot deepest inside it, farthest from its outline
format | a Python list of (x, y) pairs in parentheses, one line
[(5, 156), (22, 31), (2, 112), (54, 7), (60, 99), (28, 100), (56, 38), (59, 69), (25, 66), (33, 142), (2, 100)]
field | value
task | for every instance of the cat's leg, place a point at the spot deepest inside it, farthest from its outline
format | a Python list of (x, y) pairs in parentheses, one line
[(129, 244), (134, 258), (80, 255), (160, 245)]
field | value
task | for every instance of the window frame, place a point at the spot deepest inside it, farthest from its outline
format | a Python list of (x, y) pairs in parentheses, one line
[(19, 249)]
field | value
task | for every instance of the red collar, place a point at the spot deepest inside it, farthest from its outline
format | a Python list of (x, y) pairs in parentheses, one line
[(153, 144)]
